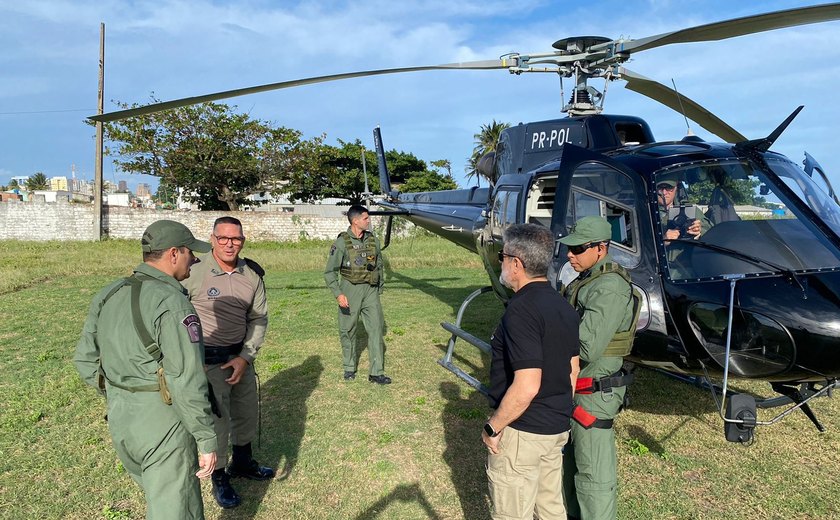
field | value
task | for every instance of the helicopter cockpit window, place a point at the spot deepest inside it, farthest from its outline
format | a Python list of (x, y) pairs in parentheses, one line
[(603, 191), (504, 211), (720, 217)]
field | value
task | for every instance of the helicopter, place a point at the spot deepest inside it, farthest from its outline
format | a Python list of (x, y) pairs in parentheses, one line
[(755, 296)]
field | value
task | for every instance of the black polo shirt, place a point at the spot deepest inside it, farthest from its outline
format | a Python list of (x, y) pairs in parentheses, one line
[(538, 330)]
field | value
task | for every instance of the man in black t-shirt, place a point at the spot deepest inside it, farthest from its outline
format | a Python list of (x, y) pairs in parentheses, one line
[(533, 371)]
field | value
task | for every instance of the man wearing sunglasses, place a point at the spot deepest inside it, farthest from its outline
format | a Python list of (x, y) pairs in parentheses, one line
[(532, 376), (602, 295), (680, 225), (229, 295)]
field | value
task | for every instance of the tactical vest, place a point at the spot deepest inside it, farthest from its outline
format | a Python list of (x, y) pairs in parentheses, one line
[(622, 342), (360, 266)]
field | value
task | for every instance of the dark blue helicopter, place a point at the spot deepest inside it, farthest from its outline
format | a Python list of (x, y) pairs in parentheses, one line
[(755, 295)]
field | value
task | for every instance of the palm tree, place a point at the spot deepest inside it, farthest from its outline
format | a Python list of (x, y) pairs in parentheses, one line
[(37, 182), (486, 141)]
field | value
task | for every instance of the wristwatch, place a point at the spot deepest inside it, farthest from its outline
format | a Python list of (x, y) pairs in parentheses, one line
[(488, 429)]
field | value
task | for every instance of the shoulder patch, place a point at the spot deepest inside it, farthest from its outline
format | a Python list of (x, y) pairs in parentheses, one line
[(332, 250), (257, 268), (193, 325)]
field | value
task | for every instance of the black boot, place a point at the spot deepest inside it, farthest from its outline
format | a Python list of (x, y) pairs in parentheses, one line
[(244, 465), (223, 492)]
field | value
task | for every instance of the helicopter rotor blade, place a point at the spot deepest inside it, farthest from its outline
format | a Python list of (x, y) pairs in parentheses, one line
[(736, 27), (668, 97), (502, 63)]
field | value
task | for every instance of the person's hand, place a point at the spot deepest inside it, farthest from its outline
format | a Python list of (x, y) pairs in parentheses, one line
[(239, 365), (694, 229), (342, 301), (672, 234), (207, 463), (492, 443)]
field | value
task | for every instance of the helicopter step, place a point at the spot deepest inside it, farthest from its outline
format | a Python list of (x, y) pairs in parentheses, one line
[(458, 332)]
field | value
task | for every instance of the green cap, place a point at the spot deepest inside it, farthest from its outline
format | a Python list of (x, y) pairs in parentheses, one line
[(588, 229), (164, 234), (669, 179)]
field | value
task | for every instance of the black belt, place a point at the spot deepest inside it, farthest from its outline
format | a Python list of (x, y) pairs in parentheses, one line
[(215, 354)]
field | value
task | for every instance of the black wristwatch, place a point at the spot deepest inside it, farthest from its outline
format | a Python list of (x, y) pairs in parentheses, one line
[(490, 431)]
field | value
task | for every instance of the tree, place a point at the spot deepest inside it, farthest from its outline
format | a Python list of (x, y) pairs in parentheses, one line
[(217, 156), (38, 181), (13, 184), (486, 141), (428, 181)]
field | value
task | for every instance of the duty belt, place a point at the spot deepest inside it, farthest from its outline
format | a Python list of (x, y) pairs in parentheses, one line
[(216, 354), (588, 385)]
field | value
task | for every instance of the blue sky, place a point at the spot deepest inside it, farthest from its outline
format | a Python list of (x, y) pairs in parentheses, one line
[(180, 48)]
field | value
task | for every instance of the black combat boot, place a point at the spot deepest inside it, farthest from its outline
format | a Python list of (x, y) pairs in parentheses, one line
[(244, 465), (223, 492)]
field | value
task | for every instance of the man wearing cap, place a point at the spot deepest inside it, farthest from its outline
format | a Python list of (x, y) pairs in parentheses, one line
[(229, 295), (666, 191), (141, 347), (532, 376), (603, 298), (354, 275)]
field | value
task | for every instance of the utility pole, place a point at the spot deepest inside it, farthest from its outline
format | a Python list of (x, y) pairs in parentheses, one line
[(97, 183)]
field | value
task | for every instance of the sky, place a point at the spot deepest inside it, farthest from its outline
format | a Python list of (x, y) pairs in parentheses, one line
[(179, 48)]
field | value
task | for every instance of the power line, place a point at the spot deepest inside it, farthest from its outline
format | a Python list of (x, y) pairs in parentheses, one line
[(47, 111)]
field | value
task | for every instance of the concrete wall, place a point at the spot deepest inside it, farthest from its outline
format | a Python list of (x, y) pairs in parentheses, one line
[(70, 221)]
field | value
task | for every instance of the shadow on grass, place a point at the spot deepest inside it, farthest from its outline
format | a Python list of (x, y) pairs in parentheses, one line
[(284, 411), (452, 296), (465, 454), (401, 493)]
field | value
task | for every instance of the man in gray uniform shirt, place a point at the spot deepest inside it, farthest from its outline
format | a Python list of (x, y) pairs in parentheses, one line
[(229, 296)]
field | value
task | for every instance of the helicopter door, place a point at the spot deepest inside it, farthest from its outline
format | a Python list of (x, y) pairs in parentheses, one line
[(591, 184), (503, 214)]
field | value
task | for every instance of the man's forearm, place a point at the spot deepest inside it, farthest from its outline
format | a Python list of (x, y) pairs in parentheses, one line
[(525, 386)]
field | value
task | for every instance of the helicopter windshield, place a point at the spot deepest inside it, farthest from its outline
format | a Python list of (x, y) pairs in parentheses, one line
[(719, 217)]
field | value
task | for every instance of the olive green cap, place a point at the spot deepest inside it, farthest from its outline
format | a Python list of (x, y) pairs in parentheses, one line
[(669, 179), (588, 229), (163, 234)]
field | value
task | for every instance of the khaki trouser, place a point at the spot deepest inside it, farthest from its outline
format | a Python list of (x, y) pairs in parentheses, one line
[(238, 406), (526, 476)]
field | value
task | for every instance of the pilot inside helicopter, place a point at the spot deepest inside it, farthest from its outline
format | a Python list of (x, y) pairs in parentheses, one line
[(679, 220)]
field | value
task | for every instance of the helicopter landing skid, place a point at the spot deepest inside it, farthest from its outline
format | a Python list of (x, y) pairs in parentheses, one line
[(458, 332)]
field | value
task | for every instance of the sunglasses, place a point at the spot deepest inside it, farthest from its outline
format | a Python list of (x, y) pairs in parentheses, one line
[(576, 250), (502, 256)]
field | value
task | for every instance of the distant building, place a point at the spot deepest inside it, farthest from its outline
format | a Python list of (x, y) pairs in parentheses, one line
[(116, 199), (21, 180), (109, 187), (144, 191), (122, 187), (58, 184)]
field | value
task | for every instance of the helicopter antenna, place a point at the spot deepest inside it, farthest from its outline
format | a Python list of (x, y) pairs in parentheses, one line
[(682, 108)]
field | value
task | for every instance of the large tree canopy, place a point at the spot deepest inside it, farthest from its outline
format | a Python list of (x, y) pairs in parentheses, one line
[(217, 156), (38, 181)]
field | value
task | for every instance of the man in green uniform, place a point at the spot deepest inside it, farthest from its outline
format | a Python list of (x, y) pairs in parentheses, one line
[(141, 346), (674, 226), (354, 275), (603, 298), (229, 296)]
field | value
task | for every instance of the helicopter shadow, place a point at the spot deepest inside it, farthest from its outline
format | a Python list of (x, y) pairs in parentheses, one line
[(462, 420), (401, 493), (283, 424)]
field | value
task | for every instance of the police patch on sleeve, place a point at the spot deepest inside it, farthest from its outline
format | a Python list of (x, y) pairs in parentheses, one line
[(193, 325), (332, 250)]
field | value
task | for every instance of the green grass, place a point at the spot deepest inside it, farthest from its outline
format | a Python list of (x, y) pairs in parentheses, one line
[(352, 450)]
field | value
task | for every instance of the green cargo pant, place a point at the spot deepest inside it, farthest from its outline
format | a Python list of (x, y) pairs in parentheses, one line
[(238, 407), (590, 484), (157, 452), (364, 303)]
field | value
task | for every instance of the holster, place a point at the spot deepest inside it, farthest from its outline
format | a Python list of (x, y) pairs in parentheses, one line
[(587, 420)]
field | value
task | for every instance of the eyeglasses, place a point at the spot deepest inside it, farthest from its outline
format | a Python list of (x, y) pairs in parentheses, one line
[(223, 241), (666, 187), (577, 250), (502, 256)]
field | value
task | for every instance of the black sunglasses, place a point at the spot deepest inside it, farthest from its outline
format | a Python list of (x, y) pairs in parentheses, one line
[(502, 256), (576, 250)]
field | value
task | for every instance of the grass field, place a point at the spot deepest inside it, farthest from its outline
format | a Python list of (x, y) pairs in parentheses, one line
[(352, 450)]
